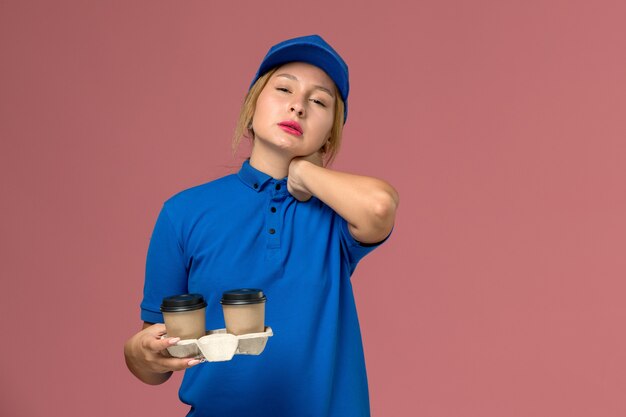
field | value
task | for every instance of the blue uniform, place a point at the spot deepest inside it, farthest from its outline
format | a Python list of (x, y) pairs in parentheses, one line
[(246, 231)]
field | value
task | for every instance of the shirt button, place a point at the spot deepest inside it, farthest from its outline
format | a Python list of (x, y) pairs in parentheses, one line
[(273, 209), (278, 186), (272, 231), (256, 186)]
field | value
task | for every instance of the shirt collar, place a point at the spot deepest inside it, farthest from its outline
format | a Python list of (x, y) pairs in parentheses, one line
[(254, 178)]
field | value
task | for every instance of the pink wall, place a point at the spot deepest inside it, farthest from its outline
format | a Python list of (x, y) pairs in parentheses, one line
[(502, 124)]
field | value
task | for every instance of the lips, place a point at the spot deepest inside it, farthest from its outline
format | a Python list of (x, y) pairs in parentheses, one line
[(291, 127)]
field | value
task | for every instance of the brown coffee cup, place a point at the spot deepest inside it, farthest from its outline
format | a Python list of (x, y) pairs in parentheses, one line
[(244, 311), (184, 316)]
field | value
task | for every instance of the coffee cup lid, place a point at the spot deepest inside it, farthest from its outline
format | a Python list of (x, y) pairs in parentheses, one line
[(182, 302), (243, 296)]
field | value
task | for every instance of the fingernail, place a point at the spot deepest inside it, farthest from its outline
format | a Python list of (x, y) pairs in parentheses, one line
[(174, 340), (193, 362)]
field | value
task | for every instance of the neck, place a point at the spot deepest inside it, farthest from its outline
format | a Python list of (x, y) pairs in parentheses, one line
[(273, 164)]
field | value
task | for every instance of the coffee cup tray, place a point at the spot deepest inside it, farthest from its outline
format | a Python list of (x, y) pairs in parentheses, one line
[(218, 345)]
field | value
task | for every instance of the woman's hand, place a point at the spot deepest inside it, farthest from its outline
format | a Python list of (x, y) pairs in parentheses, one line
[(295, 183), (147, 357)]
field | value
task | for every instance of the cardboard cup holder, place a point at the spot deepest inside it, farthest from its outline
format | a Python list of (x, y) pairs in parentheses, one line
[(218, 345)]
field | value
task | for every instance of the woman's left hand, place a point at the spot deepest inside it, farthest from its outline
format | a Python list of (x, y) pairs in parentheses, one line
[(295, 182)]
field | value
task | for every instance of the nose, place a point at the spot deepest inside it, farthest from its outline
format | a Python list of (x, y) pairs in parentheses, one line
[(297, 107)]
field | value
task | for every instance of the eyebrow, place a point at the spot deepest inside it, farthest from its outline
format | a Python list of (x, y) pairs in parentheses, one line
[(319, 87)]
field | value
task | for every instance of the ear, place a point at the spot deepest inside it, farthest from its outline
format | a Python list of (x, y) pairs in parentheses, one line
[(250, 130)]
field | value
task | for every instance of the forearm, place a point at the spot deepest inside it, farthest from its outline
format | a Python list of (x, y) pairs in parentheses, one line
[(367, 204), (145, 375)]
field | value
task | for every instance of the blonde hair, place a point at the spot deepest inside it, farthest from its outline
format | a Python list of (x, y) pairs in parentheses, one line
[(244, 125)]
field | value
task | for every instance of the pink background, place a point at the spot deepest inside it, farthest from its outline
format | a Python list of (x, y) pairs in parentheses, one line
[(502, 124)]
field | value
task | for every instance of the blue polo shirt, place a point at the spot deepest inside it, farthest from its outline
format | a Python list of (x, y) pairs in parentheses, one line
[(246, 231)]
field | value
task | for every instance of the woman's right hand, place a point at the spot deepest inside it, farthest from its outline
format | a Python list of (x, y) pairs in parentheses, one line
[(147, 357)]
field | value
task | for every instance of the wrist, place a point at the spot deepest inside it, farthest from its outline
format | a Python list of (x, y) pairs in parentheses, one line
[(304, 170)]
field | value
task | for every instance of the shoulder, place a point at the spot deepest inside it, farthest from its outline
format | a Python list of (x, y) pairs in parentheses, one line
[(202, 195)]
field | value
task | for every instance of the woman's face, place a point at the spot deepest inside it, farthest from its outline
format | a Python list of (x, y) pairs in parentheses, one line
[(295, 110)]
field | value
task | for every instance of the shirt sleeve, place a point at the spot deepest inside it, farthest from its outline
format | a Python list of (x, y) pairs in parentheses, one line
[(166, 273), (355, 249)]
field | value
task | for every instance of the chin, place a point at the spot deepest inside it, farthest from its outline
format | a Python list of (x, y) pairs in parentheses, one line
[(287, 144)]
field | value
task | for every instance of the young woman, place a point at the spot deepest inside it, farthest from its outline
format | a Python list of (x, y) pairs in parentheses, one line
[(284, 223)]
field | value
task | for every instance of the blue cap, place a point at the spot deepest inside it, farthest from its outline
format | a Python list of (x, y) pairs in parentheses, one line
[(315, 51)]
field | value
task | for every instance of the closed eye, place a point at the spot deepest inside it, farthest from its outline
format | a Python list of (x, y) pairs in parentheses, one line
[(318, 102)]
